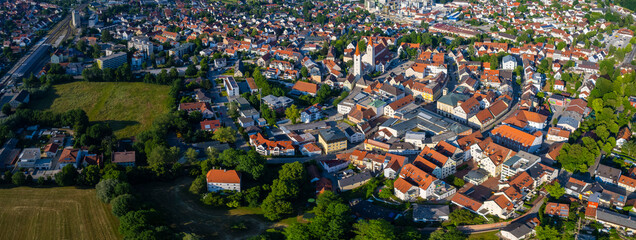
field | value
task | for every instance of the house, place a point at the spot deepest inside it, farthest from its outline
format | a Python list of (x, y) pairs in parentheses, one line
[(527, 120), (51, 149), (556, 134), (477, 176), (611, 218), (332, 166), (623, 136), (274, 148), (92, 159), (311, 113), (124, 159), (521, 162), (415, 182), (353, 135), (305, 88), (202, 107), (557, 209), (607, 174), (246, 122), (628, 183), (520, 229), (277, 102), (332, 140), (310, 150), (509, 62), (323, 184), (70, 156), (220, 180), (28, 157), (430, 213), (353, 180), (210, 125), (577, 188)]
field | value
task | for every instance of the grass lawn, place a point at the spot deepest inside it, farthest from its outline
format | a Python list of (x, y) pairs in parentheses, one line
[(484, 236), (129, 108), (55, 213)]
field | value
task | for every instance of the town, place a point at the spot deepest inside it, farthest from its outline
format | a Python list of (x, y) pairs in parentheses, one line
[(282, 119)]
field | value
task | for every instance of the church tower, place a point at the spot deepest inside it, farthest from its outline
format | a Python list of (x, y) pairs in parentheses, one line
[(370, 55), (357, 63)]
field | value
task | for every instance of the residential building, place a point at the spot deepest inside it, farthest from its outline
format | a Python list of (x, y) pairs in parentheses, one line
[(202, 107), (521, 162), (28, 157), (113, 61), (516, 139), (70, 156), (271, 148), (353, 180), (430, 213), (124, 159), (557, 209), (520, 229), (231, 87), (332, 140), (220, 179), (607, 174), (277, 102)]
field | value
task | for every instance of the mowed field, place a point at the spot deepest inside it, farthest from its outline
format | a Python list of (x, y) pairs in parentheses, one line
[(55, 213), (129, 108)]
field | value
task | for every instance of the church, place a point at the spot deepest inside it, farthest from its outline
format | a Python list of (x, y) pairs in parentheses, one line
[(376, 59)]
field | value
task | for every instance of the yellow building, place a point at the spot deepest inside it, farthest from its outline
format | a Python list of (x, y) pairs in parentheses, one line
[(332, 140)]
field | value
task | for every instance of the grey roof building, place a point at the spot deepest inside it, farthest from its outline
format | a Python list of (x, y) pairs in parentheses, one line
[(354, 181), (430, 213), (607, 174), (332, 135)]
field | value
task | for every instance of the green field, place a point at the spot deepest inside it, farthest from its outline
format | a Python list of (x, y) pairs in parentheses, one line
[(55, 213), (129, 108)]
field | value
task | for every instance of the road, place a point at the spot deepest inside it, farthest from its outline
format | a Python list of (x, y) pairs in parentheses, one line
[(629, 57), (56, 35)]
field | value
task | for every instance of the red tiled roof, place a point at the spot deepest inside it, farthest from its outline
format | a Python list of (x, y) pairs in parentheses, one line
[(223, 176), (306, 87)]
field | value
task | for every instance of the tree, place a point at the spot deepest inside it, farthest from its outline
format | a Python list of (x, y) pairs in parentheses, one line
[(6, 109), (106, 36), (555, 190), (90, 175), (41, 181), (251, 163), (161, 157), (547, 233), (18, 179), (7, 176), (133, 223), (191, 70), (67, 176), (123, 204), (463, 216), (374, 229), (304, 72), (292, 171), (199, 185), (447, 234), (191, 155), (105, 189), (292, 113), (275, 208), (225, 135)]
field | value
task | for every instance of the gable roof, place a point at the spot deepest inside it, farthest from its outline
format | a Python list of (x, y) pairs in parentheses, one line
[(223, 176), (306, 87)]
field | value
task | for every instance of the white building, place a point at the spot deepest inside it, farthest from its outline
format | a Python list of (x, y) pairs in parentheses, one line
[(219, 180), (509, 62), (231, 87)]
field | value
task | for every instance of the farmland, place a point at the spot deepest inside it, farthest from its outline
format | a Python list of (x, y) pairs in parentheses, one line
[(55, 213)]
